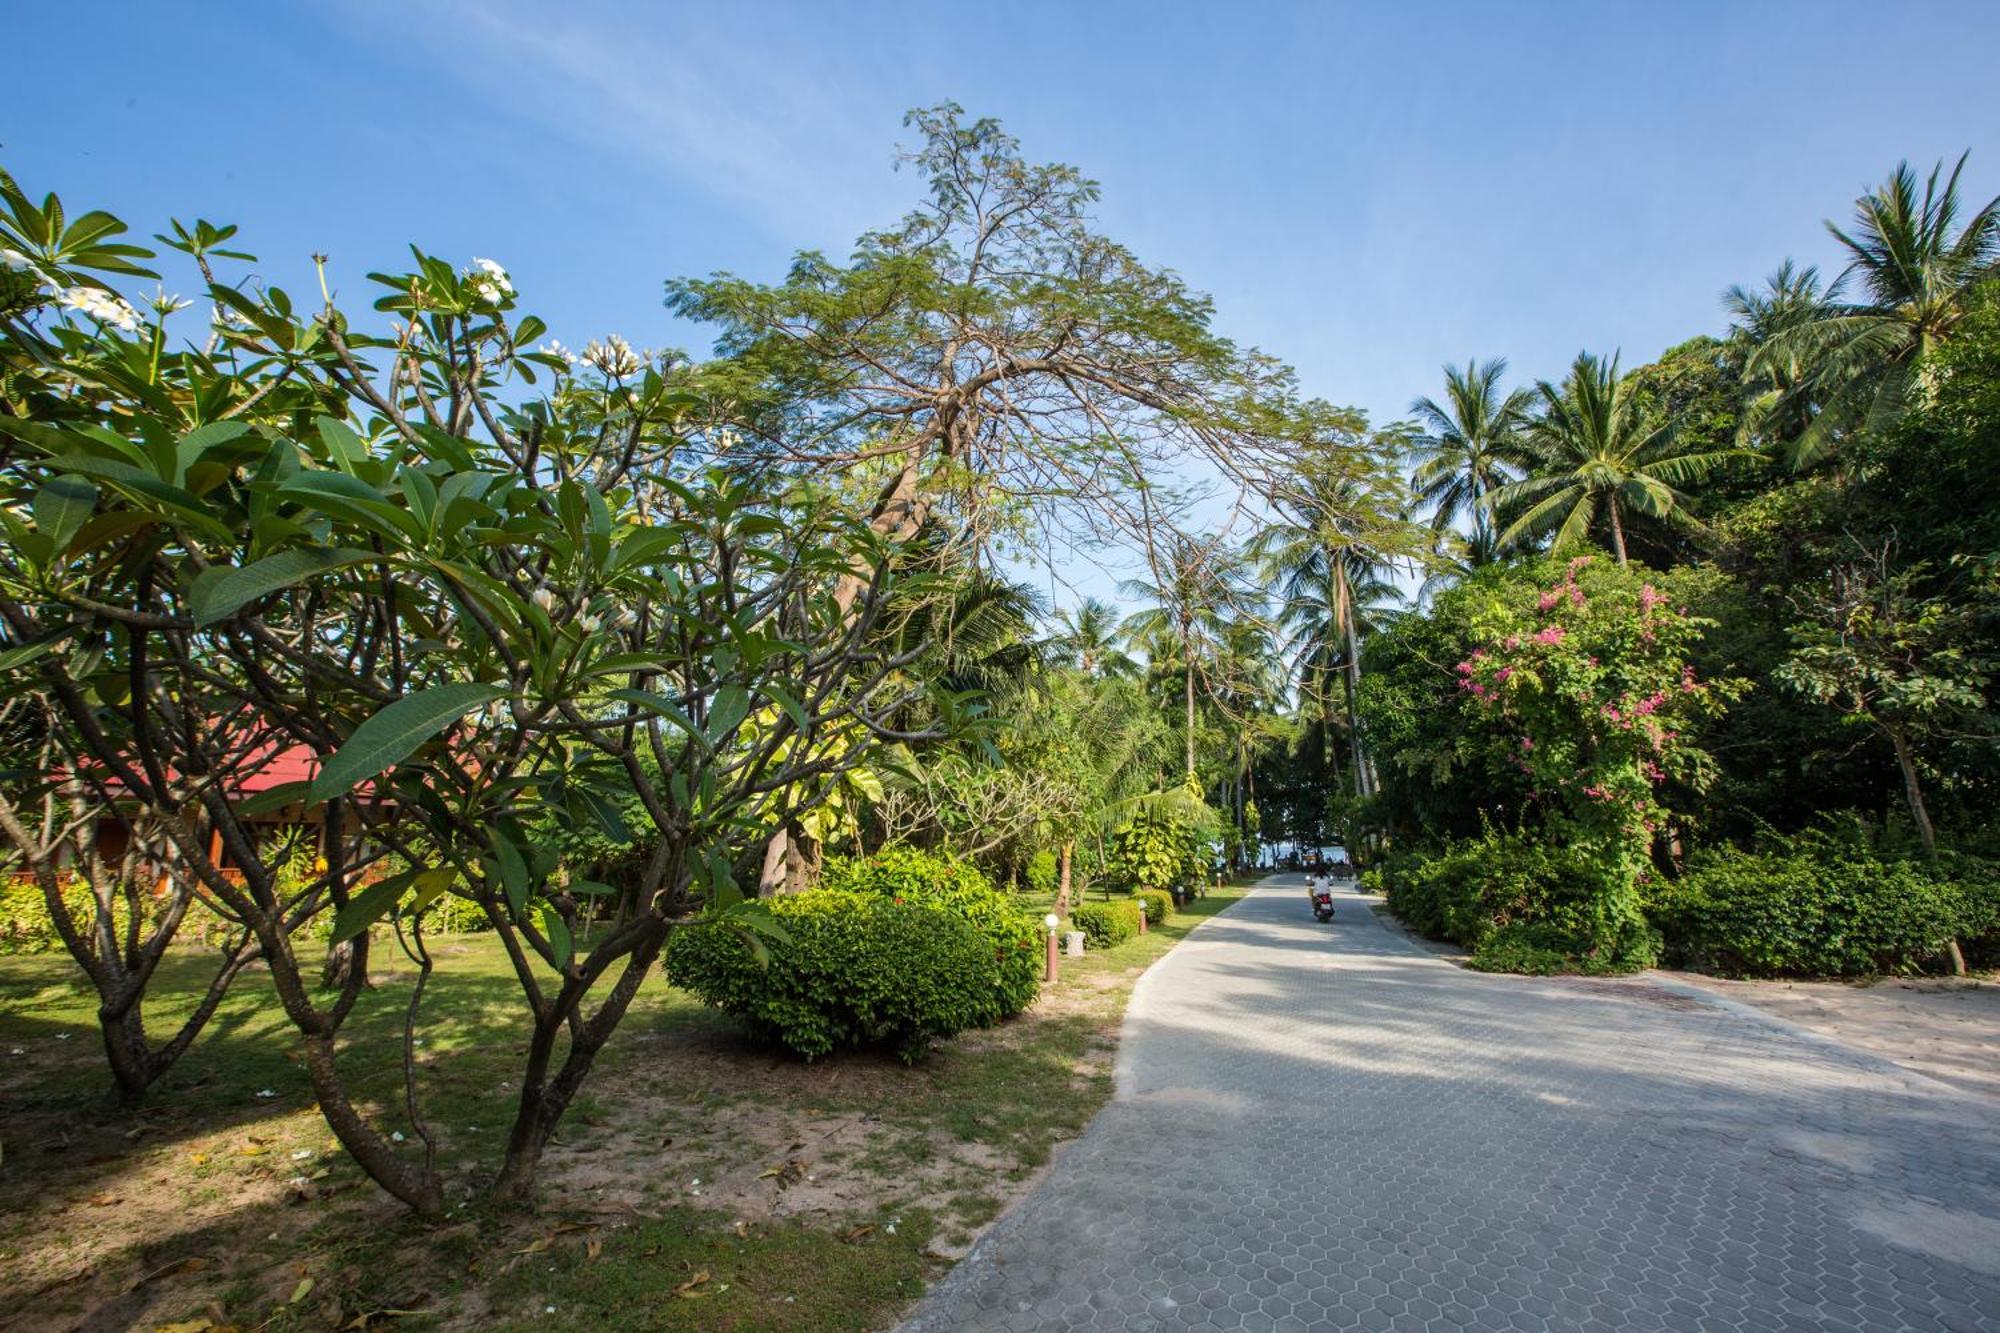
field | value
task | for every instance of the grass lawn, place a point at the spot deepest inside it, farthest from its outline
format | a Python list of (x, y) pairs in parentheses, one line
[(699, 1182)]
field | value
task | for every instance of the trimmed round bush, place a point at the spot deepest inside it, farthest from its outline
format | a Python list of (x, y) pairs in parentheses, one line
[(909, 874), (1159, 905), (858, 970), (1106, 924), (1814, 907)]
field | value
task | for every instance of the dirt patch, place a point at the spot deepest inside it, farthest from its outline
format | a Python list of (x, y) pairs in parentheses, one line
[(1947, 1029)]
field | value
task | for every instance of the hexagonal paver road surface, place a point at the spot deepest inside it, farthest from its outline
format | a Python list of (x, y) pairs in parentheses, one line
[(1328, 1127)]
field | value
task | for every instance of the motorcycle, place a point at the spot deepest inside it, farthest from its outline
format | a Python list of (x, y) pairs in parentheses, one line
[(1322, 901)]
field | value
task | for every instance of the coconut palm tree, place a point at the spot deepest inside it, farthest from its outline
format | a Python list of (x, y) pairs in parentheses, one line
[(1326, 563), (1195, 588), (1088, 637), (1915, 267), (1780, 402), (1468, 446), (1599, 450)]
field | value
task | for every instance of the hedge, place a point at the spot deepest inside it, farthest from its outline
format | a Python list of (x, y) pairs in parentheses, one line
[(1519, 902), (1159, 905), (25, 927), (1814, 905), (857, 970)]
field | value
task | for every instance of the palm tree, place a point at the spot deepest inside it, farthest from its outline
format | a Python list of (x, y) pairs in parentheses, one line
[(1780, 384), (1467, 446), (1195, 591), (1916, 267), (1088, 639), (1325, 562), (1599, 449)]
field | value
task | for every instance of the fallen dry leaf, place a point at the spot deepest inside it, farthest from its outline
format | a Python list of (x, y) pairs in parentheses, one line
[(859, 1234), (592, 1249), (689, 1287)]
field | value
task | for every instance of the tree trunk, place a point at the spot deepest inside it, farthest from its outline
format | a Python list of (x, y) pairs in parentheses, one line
[(1062, 890), (131, 1060), (339, 966), (1364, 784), (777, 852), (1617, 531), (1913, 789), (1187, 651)]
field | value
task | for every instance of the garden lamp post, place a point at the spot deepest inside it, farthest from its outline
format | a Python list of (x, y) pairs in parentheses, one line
[(1051, 921)]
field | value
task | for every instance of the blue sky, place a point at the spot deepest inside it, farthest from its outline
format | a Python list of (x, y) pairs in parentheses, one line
[(1367, 191)]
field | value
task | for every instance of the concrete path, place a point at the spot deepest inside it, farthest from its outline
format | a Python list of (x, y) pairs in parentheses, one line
[(1328, 1127)]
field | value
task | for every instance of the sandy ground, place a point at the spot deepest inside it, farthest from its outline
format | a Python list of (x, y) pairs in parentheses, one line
[(1945, 1028)]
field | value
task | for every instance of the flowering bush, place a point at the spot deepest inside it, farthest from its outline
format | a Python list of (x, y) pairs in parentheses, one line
[(1595, 696)]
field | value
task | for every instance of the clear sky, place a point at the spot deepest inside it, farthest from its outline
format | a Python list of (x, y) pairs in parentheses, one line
[(1367, 191)]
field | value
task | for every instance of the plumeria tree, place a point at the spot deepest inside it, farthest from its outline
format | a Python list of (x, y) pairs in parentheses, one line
[(1593, 692), (463, 599)]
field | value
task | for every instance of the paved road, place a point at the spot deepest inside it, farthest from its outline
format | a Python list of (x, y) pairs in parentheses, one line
[(1328, 1127)]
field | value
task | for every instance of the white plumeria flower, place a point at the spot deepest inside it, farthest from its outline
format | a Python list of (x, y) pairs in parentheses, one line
[(614, 356), (167, 305), (102, 306), (555, 348), (495, 273), (14, 261), (545, 599)]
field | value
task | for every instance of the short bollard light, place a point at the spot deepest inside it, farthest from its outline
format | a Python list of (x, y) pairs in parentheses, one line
[(1051, 921), (1142, 916)]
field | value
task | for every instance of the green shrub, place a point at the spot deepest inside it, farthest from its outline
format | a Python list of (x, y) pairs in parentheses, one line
[(1520, 902), (1044, 874), (1106, 924), (1164, 844), (1159, 905), (1819, 905), (912, 875), (24, 918), (858, 970), (1543, 951)]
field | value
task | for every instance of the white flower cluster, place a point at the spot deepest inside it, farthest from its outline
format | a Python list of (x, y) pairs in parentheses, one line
[(102, 306), (489, 281), (554, 348), (614, 356)]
